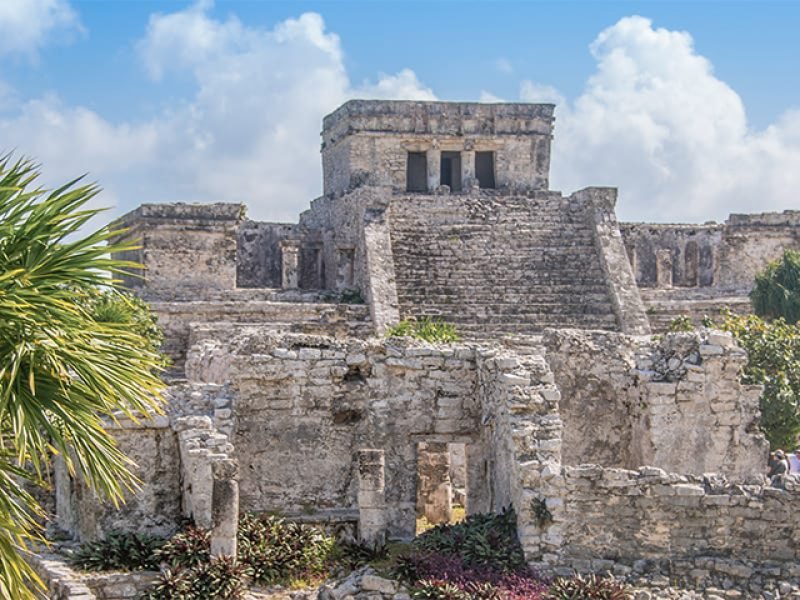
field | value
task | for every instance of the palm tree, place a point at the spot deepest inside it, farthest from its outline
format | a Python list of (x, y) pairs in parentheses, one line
[(62, 371)]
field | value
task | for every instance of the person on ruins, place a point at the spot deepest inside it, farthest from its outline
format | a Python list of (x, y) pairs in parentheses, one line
[(778, 469)]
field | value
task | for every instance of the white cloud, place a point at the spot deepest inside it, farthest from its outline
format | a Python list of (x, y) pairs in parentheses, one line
[(533, 92), (655, 121), (489, 97), (250, 133), (27, 25), (404, 85)]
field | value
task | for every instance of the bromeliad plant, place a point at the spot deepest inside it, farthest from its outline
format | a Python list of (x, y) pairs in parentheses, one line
[(62, 371)]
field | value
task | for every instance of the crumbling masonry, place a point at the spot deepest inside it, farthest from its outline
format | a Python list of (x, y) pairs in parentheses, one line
[(619, 451)]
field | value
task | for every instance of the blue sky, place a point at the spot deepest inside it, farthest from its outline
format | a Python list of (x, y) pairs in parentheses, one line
[(691, 108)]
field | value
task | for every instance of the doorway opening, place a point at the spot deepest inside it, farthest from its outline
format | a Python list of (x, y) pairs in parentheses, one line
[(450, 174), (441, 484)]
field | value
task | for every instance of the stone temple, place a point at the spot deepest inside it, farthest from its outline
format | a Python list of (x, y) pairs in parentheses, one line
[(618, 450)]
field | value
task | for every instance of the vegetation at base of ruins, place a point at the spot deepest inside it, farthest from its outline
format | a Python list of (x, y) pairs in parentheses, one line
[(681, 323), (589, 587), (271, 550), (61, 370), (220, 578), (278, 550), (119, 551), (776, 292), (488, 540), (353, 555), (481, 559), (426, 329), (188, 548), (773, 360)]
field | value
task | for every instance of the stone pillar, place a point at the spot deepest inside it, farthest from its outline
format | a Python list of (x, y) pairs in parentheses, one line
[(225, 508), (434, 156), (664, 268), (371, 497), (478, 477), (434, 490), (345, 259), (290, 264), (468, 170)]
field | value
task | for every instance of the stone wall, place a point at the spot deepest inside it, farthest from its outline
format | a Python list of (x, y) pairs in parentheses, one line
[(725, 256), (594, 373), (696, 530), (258, 253), (692, 253), (305, 405), (367, 141), (177, 318), (751, 241), (675, 404), (182, 245), (154, 508)]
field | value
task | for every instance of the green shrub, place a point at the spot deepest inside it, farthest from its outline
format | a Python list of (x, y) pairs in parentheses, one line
[(590, 587), (354, 555), (119, 308), (119, 551), (189, 548), (681, 323), (773, 360), (220, 578), (277, 550), (488, 540), (777, 289), (426, 329)]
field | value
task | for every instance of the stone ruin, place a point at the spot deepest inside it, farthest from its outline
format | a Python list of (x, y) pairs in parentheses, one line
[(618, 450)]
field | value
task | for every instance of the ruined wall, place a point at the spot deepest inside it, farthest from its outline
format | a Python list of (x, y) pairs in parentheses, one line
[(690, 413), (305, 405), (258, 253), (176, 319), (725, 256), (155, 508), (697, 530), (593, 373), (692, 253), (751, 241), (367, 141), (676, 404), (182, 245)]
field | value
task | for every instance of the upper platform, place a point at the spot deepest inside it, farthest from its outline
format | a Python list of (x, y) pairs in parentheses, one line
[(418, 146)]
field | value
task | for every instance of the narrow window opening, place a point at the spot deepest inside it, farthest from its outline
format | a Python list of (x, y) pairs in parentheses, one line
[(417, 172), (451, 170), (484, 169)]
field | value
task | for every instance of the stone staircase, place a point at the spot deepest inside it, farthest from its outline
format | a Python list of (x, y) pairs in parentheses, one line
[(498, 265)]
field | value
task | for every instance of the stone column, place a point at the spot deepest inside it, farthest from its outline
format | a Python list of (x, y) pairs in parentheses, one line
[(468, 170), (434, 156), (290, 264), (371, 497), (344, 267), (434, 489), (225, 508), (664, 268)]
